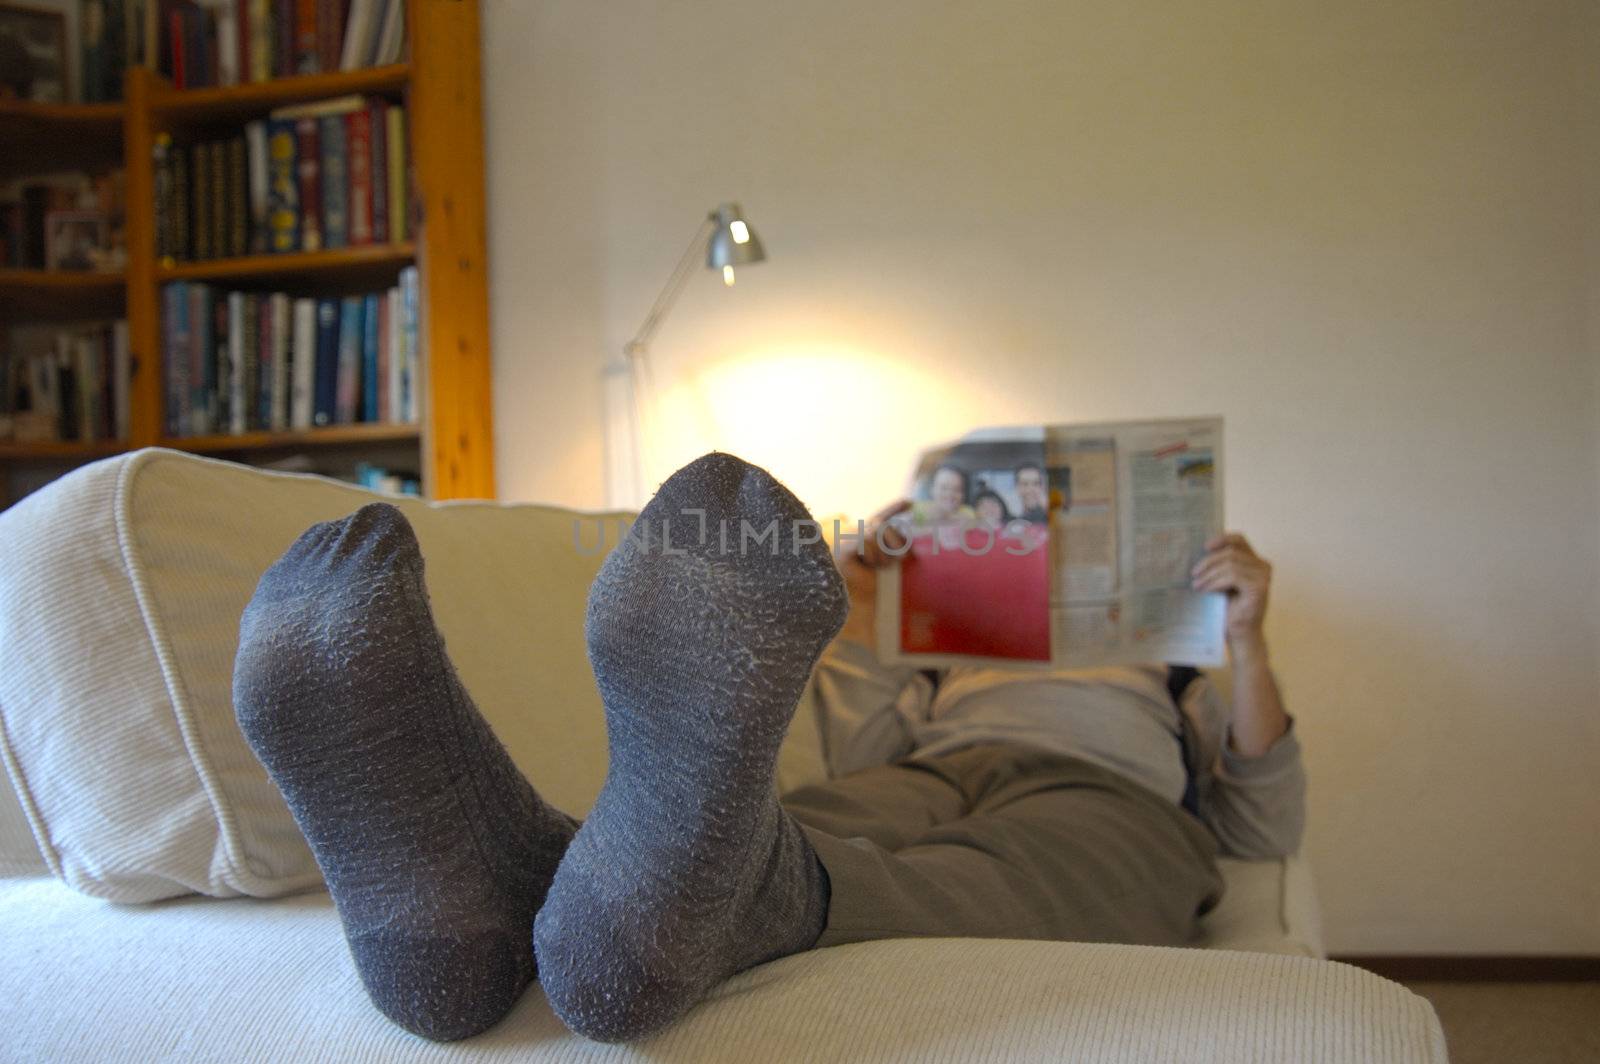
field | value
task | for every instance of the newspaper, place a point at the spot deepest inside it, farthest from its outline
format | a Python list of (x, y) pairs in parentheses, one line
[(1063, 546)]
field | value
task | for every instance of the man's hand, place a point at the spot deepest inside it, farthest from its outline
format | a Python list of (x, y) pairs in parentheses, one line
[(859, 566), (1232, 566)]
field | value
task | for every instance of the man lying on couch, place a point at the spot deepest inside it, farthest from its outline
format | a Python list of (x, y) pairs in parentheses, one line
[(1015, 805)]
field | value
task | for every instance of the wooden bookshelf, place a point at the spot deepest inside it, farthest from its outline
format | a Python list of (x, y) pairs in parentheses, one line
[(56, 451), (351, 264), (74, 136), (48, 295), (440, 87), (240, 103), (261, 441)]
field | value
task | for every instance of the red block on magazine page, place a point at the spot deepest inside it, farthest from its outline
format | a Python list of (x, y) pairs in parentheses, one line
[(994, 604)]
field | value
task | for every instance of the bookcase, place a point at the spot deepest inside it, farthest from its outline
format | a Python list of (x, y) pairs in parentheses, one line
[(439, 85)]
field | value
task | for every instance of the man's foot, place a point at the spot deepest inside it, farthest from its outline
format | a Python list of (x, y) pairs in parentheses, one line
[(687, 870), (435, 848)]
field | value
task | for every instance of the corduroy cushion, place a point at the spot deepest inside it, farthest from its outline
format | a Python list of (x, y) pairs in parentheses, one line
[(245, 981), (121, 588)]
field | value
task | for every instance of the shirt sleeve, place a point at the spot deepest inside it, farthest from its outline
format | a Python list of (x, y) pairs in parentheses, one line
[(862, 708), (1255, 806)]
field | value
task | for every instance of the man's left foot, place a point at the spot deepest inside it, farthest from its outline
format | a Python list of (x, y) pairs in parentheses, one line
[(687, 870)]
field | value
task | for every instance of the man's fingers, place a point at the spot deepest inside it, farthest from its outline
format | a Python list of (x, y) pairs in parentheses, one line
[(1219, 572), (883, 536), (889, 511), (1228, 539)]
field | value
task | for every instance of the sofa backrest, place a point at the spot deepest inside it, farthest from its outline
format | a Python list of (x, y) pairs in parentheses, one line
[(121, 589)]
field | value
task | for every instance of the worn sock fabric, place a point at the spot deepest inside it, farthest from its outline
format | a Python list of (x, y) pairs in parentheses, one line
[(435, 848), (687, 870)]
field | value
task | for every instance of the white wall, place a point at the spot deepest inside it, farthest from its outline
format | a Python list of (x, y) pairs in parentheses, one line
[(1356, 230)]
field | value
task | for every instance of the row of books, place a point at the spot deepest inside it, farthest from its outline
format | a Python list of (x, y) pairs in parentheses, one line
[(67, 221), (241, 362), (233, 42), (330, 174), (64, 384), (391, 482)]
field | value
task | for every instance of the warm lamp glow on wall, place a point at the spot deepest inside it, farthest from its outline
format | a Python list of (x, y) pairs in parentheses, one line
[(728, 241)]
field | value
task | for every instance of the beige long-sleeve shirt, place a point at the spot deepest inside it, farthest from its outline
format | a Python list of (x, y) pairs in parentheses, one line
[(1120, 718)]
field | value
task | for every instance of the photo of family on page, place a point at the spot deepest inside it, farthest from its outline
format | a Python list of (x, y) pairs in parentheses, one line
[(1062, 545)]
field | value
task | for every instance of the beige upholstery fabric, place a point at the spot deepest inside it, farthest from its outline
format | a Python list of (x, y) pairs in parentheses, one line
[(270, 981), (121, 590)]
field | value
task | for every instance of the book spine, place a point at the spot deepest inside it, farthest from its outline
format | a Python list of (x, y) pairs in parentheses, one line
[(175, 356), (66, 390), (282, 348), (358, 156), (335, 183), (236, 389), (203, 41), (330, 35), (378, 156), (238, 197), (304, 361), (197, 54), (162, 168), (199, 350), (182, 236), (227, 49), (250, 369), (325, 408), (222, 364), (392, 36), (221, 227), (133, 15), (121, 379), (255, 140), (411, 345), (283, 186), (388, 350), (349, 360), (261, 409), (91, 28), (371, 337), (260, 40), (357, 30), (399, 205), (200, 197), (241, 20), (305, 37), (283, 40), (176, 34), (116, 55), (309, 167)]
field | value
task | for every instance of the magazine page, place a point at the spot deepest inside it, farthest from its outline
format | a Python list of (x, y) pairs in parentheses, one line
[(1066, 547), (974, 585)]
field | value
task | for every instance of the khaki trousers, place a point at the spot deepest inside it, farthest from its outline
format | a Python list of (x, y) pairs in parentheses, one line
[(1002, 841)]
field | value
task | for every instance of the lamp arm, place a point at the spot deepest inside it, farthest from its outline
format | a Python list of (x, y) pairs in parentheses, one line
[(669, 295)]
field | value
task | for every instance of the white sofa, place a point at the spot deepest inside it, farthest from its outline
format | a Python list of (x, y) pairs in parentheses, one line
[(157, 903)]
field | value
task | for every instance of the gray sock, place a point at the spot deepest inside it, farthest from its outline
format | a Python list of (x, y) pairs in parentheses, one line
[(435, 848), (687, 870)]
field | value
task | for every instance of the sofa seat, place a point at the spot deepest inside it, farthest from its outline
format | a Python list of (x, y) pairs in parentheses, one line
[(244, 979), (159, 903)]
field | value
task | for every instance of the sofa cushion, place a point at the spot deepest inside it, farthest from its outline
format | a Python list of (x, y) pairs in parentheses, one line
[(247, 980), (121, 590)]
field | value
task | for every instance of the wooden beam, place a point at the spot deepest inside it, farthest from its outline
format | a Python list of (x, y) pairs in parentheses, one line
[(143, 297), (445, 111)]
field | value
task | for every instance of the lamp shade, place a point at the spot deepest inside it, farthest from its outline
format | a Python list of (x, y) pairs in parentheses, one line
[(733, 242)]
